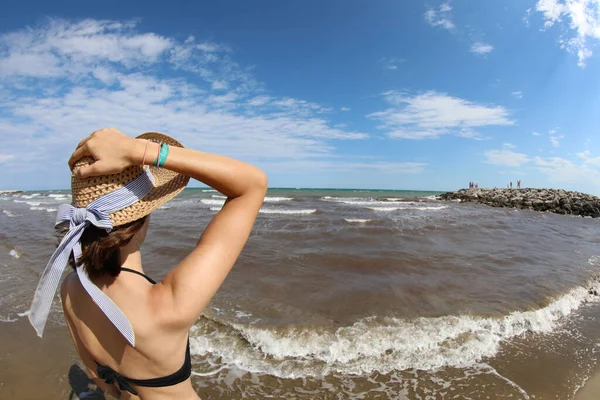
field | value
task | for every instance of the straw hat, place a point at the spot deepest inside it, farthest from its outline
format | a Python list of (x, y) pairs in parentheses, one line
[(167, 184)]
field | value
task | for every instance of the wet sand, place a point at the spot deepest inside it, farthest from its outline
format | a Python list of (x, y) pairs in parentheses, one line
[(591, 389)]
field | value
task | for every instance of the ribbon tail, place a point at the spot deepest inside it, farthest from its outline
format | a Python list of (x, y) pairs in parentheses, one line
[(48, 284), (124, 385)]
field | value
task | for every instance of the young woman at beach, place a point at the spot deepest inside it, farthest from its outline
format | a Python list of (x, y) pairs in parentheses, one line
[(131, 333)]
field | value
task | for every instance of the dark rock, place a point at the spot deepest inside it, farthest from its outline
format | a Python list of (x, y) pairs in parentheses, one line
[(557, 201)]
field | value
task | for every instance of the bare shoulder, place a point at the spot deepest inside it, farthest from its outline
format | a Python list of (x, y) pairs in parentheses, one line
[(67, 286)]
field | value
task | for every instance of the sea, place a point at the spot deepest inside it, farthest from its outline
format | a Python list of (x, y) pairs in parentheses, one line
[(345, 294)]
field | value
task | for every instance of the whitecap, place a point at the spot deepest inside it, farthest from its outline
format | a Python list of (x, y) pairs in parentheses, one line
[(284, 211), (10, 213), (277, 211), (15, 254), (275, 199), (389, 209), (382, 344), (212, 202)]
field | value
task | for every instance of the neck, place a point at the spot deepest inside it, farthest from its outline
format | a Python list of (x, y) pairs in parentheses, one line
[(131, 257)]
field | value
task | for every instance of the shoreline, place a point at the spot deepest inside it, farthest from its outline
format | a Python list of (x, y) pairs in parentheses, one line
[(556, 201), (590, 389)]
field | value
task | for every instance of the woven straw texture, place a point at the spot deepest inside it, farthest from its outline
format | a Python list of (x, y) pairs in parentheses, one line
[(167, 184)]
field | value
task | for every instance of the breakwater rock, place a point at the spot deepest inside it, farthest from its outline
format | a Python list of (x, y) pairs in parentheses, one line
[(10, 191), (552, 200)]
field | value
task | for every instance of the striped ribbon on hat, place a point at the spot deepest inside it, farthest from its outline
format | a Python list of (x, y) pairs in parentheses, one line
[(96, 213)]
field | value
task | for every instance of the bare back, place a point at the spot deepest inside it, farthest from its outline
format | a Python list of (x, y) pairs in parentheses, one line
[(159, 350)]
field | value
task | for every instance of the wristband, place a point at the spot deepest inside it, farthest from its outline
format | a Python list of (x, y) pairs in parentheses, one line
[(164, 152)]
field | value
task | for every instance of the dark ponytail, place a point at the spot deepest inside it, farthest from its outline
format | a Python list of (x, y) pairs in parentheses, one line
[(100, 250)]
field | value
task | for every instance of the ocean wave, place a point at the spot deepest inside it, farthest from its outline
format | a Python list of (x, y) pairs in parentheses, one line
[(357, 220), (218, 199), (10, 213), (8, 319), (381, 344), (212, 202), (49, 209), (30, 196), (276, 211), (208, 190), (389, 209), (345, 199), (58, 195), (285, 211), (275, 199), (361, 201)]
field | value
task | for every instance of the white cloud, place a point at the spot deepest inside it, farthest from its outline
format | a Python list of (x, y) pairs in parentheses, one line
[(509, 145), (442, 16), (481, 48), (588, 159), (6, 157), (345, 109), (390, 63), (584, 23), (109, 76), (507, 158), (563, 171), (518, 94), (67, 48), (535, 133), (555, 138), (259, 101), (219, 85), (433, 114)]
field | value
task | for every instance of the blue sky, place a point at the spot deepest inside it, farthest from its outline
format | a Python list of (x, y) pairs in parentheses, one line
[(342, 94)]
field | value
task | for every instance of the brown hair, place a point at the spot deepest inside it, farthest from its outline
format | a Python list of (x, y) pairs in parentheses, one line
[(100, 249)]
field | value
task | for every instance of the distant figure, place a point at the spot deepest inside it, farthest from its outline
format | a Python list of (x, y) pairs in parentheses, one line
[(518, 184), (470, 185), (507, 185), (511, 184), (477, 186)]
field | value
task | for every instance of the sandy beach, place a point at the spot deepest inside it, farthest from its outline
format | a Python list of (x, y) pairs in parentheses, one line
[(591, 389)]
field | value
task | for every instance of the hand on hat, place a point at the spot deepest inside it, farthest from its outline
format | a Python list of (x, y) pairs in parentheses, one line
[(112, 151)]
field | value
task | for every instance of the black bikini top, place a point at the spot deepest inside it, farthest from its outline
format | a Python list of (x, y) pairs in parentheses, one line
[(111, 377)]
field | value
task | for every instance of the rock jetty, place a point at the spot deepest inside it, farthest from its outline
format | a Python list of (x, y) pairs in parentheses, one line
[(552, 200), (10, 191)]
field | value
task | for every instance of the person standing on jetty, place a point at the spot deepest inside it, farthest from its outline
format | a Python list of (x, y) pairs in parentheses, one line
[(131, 332)]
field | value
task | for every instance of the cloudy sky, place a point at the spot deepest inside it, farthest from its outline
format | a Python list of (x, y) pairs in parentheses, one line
[(336, 93)]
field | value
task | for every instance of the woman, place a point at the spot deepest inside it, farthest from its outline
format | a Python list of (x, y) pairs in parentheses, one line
[(132, 334)]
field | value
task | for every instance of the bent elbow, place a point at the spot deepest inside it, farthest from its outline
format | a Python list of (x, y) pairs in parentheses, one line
[(262, 180)]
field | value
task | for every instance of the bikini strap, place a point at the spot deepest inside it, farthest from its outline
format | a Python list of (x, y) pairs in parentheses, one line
[(139, 273)]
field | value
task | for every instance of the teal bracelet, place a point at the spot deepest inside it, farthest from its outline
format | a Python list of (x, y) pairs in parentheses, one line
[(164, 152)]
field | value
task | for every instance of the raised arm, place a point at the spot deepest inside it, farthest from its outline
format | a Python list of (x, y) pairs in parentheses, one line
[(187, 289), (192, 284)]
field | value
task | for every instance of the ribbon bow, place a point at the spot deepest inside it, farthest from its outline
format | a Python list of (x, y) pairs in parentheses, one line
[(96, 213), (110, 376)]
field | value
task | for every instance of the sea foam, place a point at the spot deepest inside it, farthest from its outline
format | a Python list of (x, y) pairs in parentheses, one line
[(381, 344)]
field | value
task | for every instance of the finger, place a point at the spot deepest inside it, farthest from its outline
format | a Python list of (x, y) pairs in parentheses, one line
[(87, 171), (78, 154), (84, 141)]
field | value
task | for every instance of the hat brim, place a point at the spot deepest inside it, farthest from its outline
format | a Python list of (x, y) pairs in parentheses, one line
[(167, 185)]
